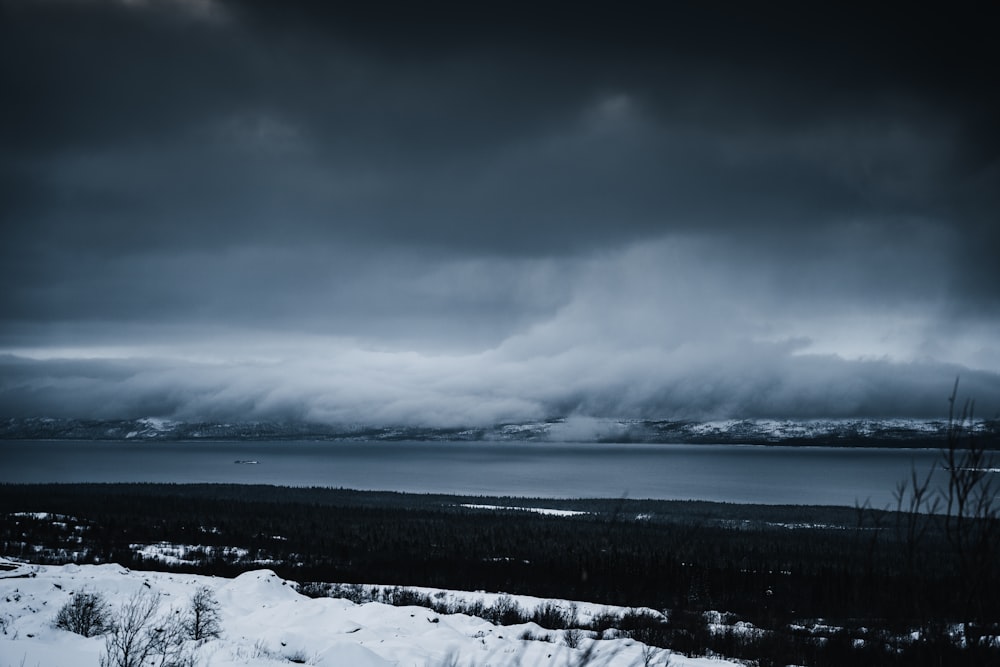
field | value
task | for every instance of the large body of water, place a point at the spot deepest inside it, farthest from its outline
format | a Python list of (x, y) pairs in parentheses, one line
[(726, 473)]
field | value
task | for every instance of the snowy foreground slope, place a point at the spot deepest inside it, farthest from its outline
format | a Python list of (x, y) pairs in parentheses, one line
[(266, 622)]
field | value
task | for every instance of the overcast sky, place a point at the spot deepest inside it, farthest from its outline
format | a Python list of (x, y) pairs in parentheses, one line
[(444, 214)]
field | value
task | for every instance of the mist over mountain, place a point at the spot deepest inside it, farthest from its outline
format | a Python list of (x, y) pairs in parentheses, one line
[(836, 433)]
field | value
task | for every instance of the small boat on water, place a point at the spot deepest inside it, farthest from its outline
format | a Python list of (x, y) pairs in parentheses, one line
[(246, 462)]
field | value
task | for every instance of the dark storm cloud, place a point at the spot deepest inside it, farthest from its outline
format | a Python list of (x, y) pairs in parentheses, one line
[(443, 124), (478, 181)]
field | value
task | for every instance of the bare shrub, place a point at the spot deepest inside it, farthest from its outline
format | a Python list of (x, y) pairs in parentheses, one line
[(138, 638), (505, 611), (551, 615), (202, 620), (604, 621), (970, 510), (972, 518), (86, 614)]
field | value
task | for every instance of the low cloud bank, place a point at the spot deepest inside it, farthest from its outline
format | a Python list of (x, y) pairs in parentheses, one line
[(675, 329), (382, 389)]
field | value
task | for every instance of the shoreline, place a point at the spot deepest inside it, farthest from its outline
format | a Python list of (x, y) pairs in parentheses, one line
[(596, 505)]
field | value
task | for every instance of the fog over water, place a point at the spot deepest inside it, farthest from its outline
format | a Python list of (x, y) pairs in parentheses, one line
[(458, 215)]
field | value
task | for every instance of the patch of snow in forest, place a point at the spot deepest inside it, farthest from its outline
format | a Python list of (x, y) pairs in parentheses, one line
[(176, 554), (537, 510)]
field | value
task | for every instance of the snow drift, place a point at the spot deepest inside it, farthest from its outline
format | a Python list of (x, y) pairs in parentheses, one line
[(266, 622)]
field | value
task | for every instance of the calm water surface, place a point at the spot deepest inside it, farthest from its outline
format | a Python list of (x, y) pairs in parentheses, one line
[(727, 473)]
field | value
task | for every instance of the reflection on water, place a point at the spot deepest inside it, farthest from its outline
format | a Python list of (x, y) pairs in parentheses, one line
[(728, 473)]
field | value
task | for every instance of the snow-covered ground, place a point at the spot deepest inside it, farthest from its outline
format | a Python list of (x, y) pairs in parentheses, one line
[(265, 622), (537, 510)]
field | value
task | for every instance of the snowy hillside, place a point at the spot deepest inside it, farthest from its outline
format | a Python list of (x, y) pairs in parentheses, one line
[(824, 432), (265, 622)]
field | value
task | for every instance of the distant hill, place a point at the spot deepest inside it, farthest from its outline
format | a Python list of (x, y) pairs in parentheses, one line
[(844, 432)]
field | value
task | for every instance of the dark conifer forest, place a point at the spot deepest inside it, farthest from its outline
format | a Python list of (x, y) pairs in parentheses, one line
[(827, 584)]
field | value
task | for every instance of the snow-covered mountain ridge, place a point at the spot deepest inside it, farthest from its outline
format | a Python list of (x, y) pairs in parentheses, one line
[(829, 432)]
